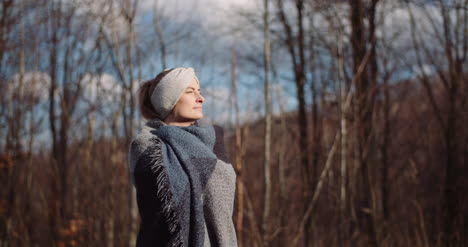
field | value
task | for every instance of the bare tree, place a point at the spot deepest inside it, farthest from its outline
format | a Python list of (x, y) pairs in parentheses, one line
[(159, 31), (239, 150), (343, 137), (13, 114), (267, 152), (69, 62), (297, 54), (377, 143), (449, 66), (362, 39), (123, 61)]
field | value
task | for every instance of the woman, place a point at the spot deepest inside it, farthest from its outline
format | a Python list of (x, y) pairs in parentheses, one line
[(185, 185)]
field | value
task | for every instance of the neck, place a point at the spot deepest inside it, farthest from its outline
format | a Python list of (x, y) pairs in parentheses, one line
[(177, 121), (182, 124)]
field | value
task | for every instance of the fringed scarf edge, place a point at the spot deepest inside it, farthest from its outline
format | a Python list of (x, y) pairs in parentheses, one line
[(163, 192)]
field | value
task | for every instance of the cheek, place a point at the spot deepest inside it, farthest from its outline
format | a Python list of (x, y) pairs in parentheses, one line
[(183, 106)]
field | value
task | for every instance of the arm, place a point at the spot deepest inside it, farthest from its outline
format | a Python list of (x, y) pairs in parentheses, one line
[(152, 193)]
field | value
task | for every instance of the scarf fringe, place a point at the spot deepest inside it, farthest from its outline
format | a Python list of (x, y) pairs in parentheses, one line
[(164, 195)]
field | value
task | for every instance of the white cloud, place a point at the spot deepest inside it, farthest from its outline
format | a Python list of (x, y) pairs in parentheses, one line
[(424, 69), (110, 12), (102, 87), (35, 86), (209, 13)]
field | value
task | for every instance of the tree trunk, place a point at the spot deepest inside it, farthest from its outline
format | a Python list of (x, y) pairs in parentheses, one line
[(160, 33), (300, 80), (365, 84), (267, 139), (54, 215), (239, 155), (343, 231)]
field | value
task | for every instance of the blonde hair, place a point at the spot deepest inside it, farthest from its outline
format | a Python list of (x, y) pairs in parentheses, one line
[(145, 91)]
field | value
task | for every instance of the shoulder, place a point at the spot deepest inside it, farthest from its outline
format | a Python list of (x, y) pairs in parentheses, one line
[(142, 140), (143, 147), (145, 138)]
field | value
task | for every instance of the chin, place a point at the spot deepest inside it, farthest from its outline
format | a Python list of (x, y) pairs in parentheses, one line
[(199, 117), (194, 117)]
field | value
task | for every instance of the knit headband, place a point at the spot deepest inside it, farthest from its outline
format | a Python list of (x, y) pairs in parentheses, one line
[(170, 88)]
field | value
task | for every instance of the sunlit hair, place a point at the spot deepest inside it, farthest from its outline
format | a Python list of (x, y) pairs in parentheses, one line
[(146, 90)]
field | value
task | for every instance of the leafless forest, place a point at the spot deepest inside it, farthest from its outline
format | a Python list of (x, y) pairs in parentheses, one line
[(346, 121)]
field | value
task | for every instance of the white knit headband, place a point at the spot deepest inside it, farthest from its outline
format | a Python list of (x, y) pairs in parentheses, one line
[(170, 88)]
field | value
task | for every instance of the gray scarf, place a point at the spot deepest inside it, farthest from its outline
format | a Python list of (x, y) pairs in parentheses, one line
[(188, 154), (180, 160)]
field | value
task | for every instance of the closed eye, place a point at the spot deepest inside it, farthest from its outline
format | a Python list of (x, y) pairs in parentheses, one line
[(199, 92)]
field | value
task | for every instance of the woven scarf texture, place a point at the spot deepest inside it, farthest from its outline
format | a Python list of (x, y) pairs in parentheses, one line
[(171, 167)]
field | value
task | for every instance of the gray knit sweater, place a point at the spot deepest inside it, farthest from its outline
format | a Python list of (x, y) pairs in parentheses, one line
[(158, 205)]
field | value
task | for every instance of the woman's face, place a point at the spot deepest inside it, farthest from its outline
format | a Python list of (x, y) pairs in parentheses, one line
[(188, 108)]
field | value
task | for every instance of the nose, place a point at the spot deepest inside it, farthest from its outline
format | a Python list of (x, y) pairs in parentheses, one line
[(200, 98)]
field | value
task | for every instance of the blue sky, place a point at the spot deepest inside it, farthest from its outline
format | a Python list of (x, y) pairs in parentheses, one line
[(208, 49)]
